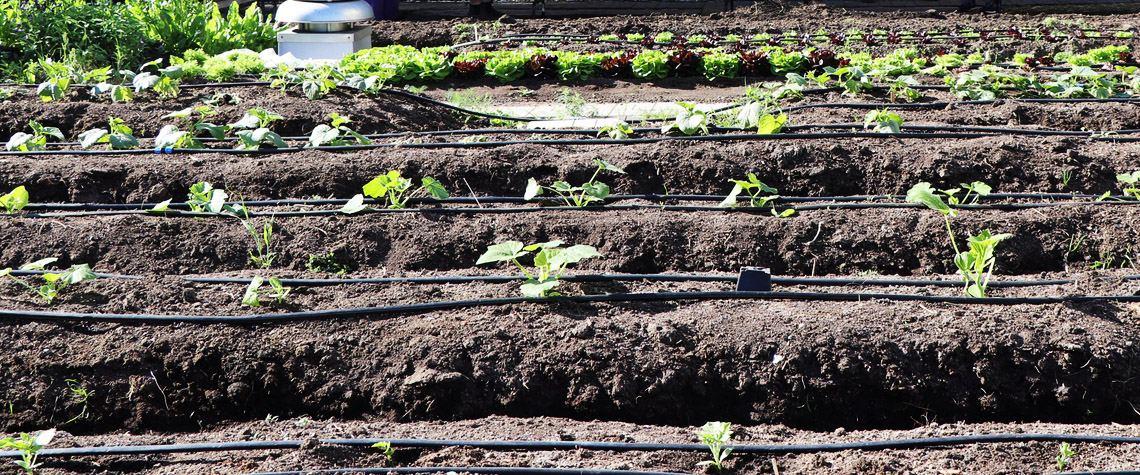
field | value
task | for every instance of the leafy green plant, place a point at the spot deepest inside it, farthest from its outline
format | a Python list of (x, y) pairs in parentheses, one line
[(550, 260), (902, 88), (974, 191), (883, 121), (386, 449), (1065, 454), (751, 115), (394, 190), (650, 64), (29, 447), (204, 198), (590, 191), (1131, 180), (119, 136), (35, 141), (755, 188), (325, 134), (15, 201), (618, 131), (54, 281), (253, 292), (262, 238), (255, 131), (716, 435), (690, 121), (976, 264), (327, 263)]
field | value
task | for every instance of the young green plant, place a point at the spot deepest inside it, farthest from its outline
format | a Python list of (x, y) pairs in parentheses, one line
[(976, 264), (54, 281), (119, 136), (336, 134), (29, 447), (579, 196), (253, 292), (394, 190), (1065, 454), (550, 260), (755, 187), (716, 435), (35, 141), (15, 201)]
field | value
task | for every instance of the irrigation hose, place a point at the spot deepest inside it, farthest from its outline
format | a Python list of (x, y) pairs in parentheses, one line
[(474, 470), (519, 445), (418, 308)]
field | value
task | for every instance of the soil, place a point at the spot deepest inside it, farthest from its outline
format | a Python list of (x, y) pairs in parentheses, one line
[(782, 370)]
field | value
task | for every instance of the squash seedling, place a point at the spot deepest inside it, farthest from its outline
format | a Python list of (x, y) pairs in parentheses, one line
[(716, 435), (386, 449), (15, 201), (976, 264), (325, 134), (1131, 180), (751, 115), (55, 282), (119, 136), (619, 131), (255, 131), (171, 136), (754, 187), (29, 447), (690, 121), (253, 292), (35, 141), (883, 121), (393, 189), (589, 192), (550, 259)]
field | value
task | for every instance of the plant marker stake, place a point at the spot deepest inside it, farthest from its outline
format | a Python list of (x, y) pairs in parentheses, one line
[(754, 279)]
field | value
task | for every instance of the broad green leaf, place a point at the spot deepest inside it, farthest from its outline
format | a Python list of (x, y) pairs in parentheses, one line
[(91, 137), (39, 265), (360, 139), (50, 131), (354, 205), (122, 94), (123, 141), (79, 273), (503, 251), (923, 193), (44, 438), (144, 81), (15, 200), (573, 254), (247, 121), (376, 188), (323, 134), (180, 114), (604, 165), (973, 290), (251, 297), (562, 187), (749, 115), (218, 132), (169, 136), (770, 124), (730, 200), (217, 201), (536, 289), (18, 139), (435, 188), (532, 189), (597, 190), (163, 206), (545, 245), (50, 90)]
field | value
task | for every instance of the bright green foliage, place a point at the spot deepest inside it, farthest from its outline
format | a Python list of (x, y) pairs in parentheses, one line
[(180, 25), (29, 447), (386, 449), (204, 198), (253, 292), (509, 66), (55, 282), (332, 134), (255, 132), (1130, 179), (119, 136), (883, 121), (399, 63), (550, 260), (170, 136), (690, 121), (262, 240), (327, 263), (1065, 454), (720, 65), (81, 395), (589, 192), (716, 435), (751, 115), (16, 200), (395, 190), (650, 64), (664, 37), (976, 264), (755, 189), (35, 141), (973, 190), (902, 89), (618, 131)]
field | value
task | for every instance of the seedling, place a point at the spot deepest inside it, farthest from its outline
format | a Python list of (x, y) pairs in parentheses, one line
[(550, 260), (15, 201), (170, 136), (716, 435), (901, 89), (974, 191), (256, 133), (977, 264), (393, 189), (1066, 453), (119, 136), (883, 121), (386, 449), (29, 447), (751, 116), (618, 131), (327, 263), (262, 240), (55, 282), (690, 121), (81, 394), (35, 141), (754, 187), (589, 192), (332, 134), (1131, 180), (254, 291), (204, 198)]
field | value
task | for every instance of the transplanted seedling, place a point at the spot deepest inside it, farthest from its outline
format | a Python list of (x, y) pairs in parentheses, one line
[(35, 141), (171, 136), (976, 264), (15, 201), (29, 447), (1065, 454), (690, 121), (716, 435), (253, 292), (589, 192), (255, 131), (395, 191), (1130, 179), (119, 136), (619, 131), (55, 282), (550, 260), (883, 121), (336, 134), (755, 188)]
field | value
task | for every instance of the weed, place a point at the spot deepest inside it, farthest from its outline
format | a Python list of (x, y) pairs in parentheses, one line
[(55, 282), (716, 435), (589, 192), (1066, 176), (550, 260), (327, 263), (81, 394), (262, 239), (755, 187), (573, 102), (15, 201), (29, 447), (394, 190), (415, 89), (271, 419), (1065, 454), (977, 264), (254, 291)]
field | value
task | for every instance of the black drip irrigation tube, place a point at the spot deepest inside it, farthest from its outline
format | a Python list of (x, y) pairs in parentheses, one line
[(520, 445), (474, 470), (417, 308)]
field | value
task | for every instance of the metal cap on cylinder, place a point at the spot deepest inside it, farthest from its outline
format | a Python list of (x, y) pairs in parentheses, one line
[(754, 279), (324, 15)]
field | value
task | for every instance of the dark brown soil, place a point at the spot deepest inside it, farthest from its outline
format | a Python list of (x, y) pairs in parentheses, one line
[(649, 370)]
